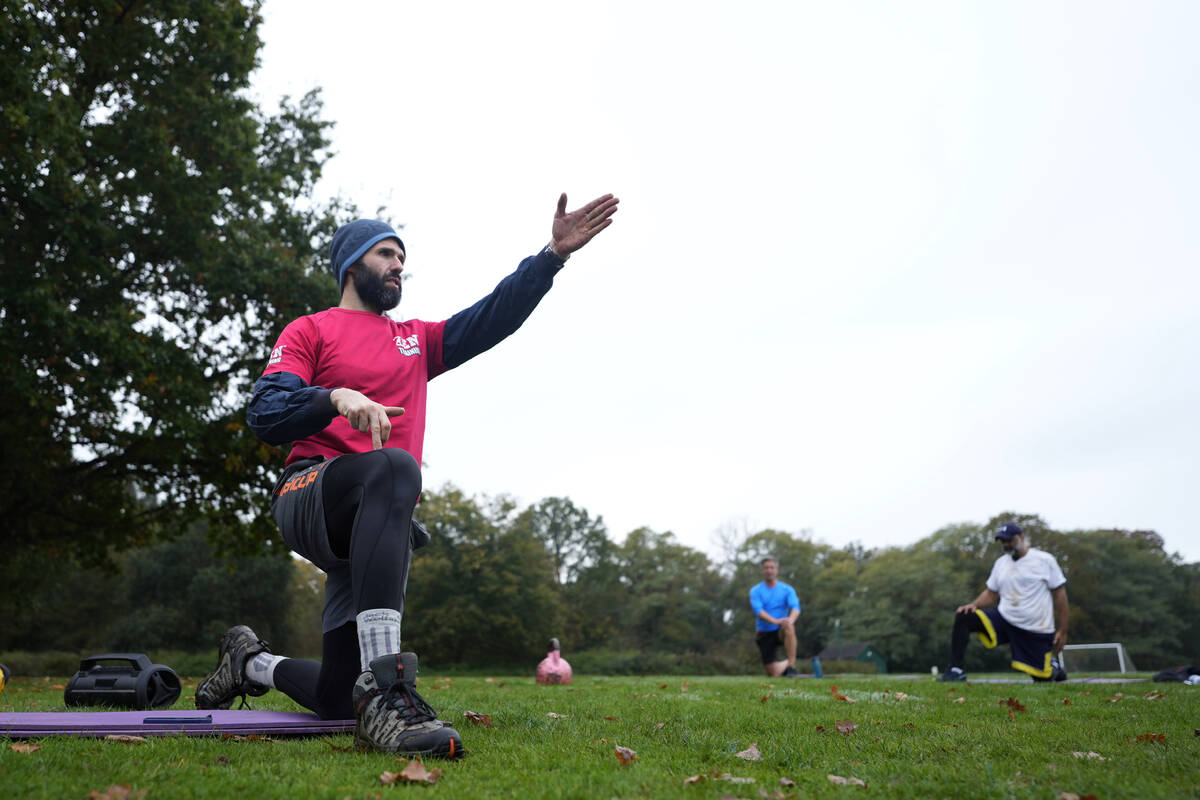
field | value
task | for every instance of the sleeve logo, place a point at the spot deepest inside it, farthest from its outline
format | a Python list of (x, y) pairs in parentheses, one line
[(276, 355), (408, 345)]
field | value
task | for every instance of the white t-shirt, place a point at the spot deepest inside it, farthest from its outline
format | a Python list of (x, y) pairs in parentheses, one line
[(1024, 587)]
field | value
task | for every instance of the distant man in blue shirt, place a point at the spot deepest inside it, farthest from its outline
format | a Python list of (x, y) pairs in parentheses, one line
[(776, 608)]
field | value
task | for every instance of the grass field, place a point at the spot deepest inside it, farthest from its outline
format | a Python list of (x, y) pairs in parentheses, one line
[(905, 738)]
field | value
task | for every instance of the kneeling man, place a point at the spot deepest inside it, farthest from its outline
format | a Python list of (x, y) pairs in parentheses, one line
[(775, 611), (1032, 591)]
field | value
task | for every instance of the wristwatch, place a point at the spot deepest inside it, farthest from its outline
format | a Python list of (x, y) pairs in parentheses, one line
[(549, 248)]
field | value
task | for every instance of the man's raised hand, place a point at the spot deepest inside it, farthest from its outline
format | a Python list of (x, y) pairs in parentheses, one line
[(364, 414), (573, 230)]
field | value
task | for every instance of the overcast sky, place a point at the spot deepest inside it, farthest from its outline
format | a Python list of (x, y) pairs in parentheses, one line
[(878, 267)]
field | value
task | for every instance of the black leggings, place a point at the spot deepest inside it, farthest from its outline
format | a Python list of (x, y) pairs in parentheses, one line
[(369, 500), (964, 626)]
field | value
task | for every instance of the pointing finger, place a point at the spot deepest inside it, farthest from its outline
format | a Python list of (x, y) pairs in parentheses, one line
[(393, 411)]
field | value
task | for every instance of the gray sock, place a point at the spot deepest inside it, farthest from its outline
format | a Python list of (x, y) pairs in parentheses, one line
[(378, 634), (261, 669)]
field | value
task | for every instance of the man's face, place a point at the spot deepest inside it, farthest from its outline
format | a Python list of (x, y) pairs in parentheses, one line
[(377, 275), (770, 571), (1015, 546)]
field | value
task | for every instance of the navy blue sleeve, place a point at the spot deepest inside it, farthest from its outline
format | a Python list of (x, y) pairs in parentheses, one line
[(481, 327), (285, 408)]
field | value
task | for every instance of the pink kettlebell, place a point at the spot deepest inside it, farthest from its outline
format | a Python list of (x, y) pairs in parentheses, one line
[(553, 668)]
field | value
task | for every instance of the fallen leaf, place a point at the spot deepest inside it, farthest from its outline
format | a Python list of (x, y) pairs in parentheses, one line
[(25, 747), (1066, 701), (1116, 698), (658, 725), (413, 772), (489, 680), (683, 687), (121, 737), (846, 727), (117, 791), (901, 696), (838, 695), (1088, 754), (1154, 695), (612, 719), (765, 697), (909, 725), (479, 719), (57, 686), (750, 753), (552, 715), (960, 700), (1012, 703), (253, 737), (624, 755), (1073, 796), (820, 729), (786, 782), (693, 779), (662, 686), (347, 749), (1151, 737), (839, 780)]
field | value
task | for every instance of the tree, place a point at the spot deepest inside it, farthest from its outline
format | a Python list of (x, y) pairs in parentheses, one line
[(572, 537), (156, 232)]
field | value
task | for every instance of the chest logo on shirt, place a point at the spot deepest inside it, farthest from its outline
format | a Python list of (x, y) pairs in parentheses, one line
[(276, 355), (408, 345)]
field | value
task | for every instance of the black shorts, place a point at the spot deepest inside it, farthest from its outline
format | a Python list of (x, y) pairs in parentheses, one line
[(768, 645), (1031, 651)]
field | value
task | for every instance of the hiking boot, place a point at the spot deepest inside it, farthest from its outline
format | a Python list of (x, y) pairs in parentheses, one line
[(228, 680), (953, 674), (391, 715), (790, 672), (1057, 673)]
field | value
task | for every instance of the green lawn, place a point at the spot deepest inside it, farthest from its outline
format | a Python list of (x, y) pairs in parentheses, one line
[(940, 740)]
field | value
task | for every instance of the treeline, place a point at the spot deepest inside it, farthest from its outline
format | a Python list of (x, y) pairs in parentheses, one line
[(498, 580)]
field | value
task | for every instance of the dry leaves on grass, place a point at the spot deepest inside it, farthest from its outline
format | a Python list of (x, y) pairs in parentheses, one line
[(118, 791), (833, 690), (553, 715), (786, 782), (1073, 796), (1088, 754), (1154, 695), (960, 700), (845, 727), (765, 697), (658, 726), (25, 747), (124, 737), (750, 753), (611, 719), (252, 737), (347, 749), (625, 756), (1149, 737), (413, 772), (683, 687), (1116, 698), (479, 719), (840, 781), (901, 696), (1013, 703)]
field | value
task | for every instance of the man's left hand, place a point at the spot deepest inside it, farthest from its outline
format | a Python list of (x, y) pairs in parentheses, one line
[(1060, 640), (573, 230)]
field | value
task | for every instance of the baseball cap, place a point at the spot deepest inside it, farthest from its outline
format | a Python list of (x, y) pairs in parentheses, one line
[(1008, 530)]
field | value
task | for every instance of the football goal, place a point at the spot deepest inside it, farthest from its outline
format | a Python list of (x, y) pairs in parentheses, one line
[(1105, 657)]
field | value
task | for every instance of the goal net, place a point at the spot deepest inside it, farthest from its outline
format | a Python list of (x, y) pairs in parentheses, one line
[(1106, 657)]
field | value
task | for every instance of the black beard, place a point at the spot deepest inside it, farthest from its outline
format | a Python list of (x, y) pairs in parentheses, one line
[(374, 290)]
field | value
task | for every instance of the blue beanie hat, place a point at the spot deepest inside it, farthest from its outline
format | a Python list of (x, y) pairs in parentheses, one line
[(354, 239)]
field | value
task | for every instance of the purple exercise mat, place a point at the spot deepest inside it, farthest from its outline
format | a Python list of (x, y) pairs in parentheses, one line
[(1069, 680), (30, 724)]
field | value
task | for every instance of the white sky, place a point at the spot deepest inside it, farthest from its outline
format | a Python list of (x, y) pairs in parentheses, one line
[(878, 267)]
